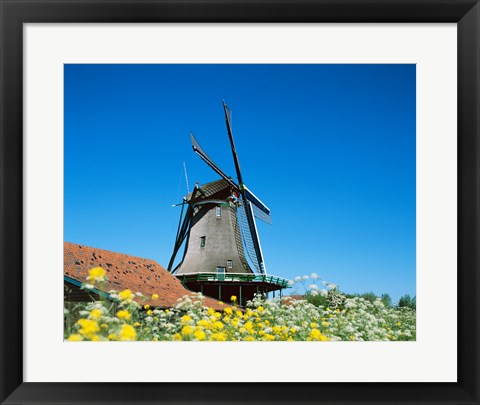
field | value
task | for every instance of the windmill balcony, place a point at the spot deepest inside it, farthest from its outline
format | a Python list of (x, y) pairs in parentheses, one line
[(223, 285)]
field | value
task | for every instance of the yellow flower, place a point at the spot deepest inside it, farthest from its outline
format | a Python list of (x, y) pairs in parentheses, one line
[(315, 334), (124, 314), (149, 312), (95, 314), (210, 311), (325, 324), (233, 298), (112, 336), (199, 335), (267, 322), (127, 333), (293, 330), (177, 336), (218, 337), (249, 326), (276, 329), (217, 315), (154, 296), (185, 319), (75, 338), (95, 338), (104, 326), (88, 327), (260, 309), (187, 330), (146, 306), (269, 337), (218, 325), (96, 274), (220, 302), (228, 311), (239, 313), (399, 323), (126, 295), (261, 333), (249, 338), (203, 323), (136, 324)]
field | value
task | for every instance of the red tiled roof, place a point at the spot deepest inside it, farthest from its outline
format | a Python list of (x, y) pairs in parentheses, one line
[(127, 272)]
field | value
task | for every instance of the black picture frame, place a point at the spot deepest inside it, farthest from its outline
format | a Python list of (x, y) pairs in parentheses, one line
[(465, 13)]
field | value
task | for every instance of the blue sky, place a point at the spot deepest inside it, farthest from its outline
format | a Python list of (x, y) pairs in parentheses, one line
[(329, 148)]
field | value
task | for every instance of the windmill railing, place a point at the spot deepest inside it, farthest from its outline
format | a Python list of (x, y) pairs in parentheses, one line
[(235, 277)]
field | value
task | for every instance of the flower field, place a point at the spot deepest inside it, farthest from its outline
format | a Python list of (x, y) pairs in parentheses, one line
[(344, 319)]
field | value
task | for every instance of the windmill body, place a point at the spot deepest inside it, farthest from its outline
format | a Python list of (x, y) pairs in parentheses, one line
[(219, 232), (214, 242)]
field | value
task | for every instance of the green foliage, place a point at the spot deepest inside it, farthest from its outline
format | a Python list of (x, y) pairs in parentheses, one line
[(387, 300), (407, 302), (317, 299)]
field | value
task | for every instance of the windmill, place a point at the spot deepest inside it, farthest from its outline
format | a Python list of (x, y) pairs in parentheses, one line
[(217, 228)]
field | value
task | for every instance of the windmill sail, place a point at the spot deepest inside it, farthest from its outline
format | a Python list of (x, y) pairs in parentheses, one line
[(248, 242), (258, 213), (247, 198), (200, 152), (256, 201)]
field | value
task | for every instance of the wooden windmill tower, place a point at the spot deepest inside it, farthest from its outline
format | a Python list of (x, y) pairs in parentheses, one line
[(217, 228)]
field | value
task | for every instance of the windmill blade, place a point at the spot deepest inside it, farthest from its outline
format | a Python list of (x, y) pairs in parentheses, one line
[(250, 236), (232, 144), (257, 213), (199, 151), (256, 201), (247, 238), (245, 191)]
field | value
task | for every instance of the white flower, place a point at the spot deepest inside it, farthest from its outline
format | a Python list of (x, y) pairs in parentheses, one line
[(314, 292), (313, 287), (297, 279), (323, 293), (314, 276), (305, 277), (332, 286), (350, 303)]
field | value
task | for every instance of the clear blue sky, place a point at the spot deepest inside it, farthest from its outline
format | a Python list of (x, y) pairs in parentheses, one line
[(329, 148)]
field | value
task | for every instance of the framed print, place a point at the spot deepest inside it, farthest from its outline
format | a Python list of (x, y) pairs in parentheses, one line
[(81, 81)]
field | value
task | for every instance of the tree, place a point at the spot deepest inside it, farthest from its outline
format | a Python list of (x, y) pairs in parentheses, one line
[(408, 302), (387, 300)]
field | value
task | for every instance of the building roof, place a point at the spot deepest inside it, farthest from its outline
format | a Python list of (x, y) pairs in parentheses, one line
[(218, 189), (128, 272)]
